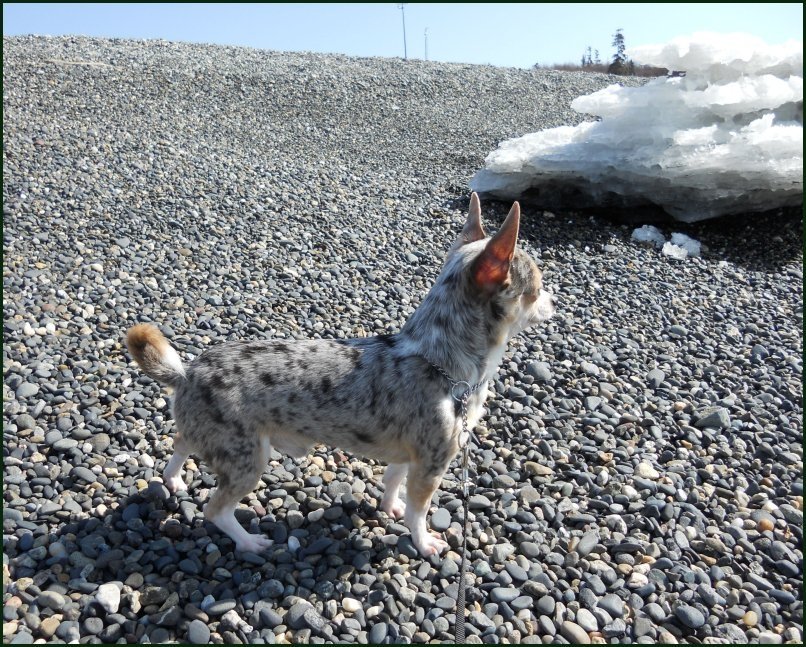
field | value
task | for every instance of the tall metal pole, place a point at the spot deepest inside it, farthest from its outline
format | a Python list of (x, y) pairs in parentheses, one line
[(402, 6), (426, 43)]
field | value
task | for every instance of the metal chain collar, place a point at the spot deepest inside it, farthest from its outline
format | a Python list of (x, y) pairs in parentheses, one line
[(461, 390)]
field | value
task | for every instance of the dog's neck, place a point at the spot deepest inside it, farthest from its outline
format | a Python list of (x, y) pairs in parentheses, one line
[(454, 331)]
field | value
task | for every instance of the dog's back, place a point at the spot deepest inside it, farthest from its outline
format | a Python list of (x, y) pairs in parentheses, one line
[(354, 394)]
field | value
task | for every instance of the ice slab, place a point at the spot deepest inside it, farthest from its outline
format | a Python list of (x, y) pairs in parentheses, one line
[(726, 138)]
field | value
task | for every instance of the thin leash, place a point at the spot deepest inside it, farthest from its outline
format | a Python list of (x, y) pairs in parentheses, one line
[(461, 392)]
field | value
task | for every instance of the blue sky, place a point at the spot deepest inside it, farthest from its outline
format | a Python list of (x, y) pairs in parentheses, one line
[(516, 35)]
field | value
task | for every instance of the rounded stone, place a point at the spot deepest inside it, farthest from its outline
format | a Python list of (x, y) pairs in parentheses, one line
[(441, 520), (25, 421), (108, 596), (587, 620), (26, 390), (545, 605), (587, 543), (689, 616), (198, 633), (378, 633), (93, 625), (540, 371), (574, 633), (613, 604), (51, 600), (220, 607)]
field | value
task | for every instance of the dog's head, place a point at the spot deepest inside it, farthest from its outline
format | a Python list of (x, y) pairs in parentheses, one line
[(500, 275)]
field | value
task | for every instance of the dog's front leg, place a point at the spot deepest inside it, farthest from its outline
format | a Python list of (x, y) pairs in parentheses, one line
[(392, 478), (424, 479)]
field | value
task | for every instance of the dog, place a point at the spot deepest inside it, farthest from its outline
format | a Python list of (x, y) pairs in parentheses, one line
[(390, 397)]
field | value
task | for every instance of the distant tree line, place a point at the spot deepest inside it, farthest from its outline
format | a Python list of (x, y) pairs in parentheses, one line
[(620, 64)]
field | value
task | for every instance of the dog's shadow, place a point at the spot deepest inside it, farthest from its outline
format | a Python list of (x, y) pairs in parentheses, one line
[(163, 551)]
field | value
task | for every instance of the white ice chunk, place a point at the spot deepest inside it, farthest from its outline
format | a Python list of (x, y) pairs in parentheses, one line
[(726, 138), (674, 251), (649, 234), (691, 245)]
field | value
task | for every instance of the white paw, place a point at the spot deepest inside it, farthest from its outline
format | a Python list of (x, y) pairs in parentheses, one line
[(395, 508), (430, 545), (175, 484), (253, 544)]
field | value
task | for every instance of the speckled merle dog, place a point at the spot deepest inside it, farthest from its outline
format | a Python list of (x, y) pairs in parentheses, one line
[(381, 397)]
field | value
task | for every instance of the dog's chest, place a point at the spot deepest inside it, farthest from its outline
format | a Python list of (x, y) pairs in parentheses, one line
[(459, 422), (475, 409)]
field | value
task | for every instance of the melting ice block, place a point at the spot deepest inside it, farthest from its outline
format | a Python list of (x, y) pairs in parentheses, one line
[(691, 246), (726, 138), (649, 235)]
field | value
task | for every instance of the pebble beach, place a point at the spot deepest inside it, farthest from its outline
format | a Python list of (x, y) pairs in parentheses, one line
[(639, 474)]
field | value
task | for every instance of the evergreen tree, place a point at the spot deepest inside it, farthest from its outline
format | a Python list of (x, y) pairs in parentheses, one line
[(618, 66), (618, 43)]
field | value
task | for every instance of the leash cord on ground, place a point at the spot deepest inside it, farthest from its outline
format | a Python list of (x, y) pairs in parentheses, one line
[(460, 595)]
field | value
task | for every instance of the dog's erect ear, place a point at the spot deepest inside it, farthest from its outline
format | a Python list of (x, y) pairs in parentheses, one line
[(472, 230), (491, 268)]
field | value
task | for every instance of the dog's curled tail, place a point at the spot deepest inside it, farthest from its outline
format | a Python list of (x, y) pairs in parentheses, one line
[(155, 355)]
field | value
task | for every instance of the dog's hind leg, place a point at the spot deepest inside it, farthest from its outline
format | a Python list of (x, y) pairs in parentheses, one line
[(238, 475), (392, 478), (172, 475)]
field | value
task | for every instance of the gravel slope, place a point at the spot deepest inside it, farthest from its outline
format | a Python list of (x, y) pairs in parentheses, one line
[(641, 475)]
